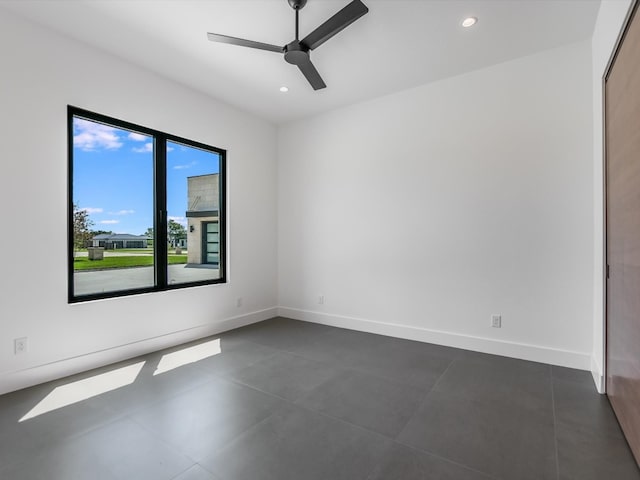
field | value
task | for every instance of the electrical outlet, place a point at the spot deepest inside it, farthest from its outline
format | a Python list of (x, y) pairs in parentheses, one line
[(320, 299), (239, 302), (496, 321), (20, 345)]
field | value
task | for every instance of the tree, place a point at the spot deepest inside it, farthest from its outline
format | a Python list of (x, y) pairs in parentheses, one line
[(175, 232), (81, 228), (150, 236)]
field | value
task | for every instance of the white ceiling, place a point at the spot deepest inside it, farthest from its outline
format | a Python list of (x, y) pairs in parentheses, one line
[(399, 44)]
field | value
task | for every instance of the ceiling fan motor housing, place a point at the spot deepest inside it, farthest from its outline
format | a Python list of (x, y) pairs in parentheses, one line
[(296, 53)]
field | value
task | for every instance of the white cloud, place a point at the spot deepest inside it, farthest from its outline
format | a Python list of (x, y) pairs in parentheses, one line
[(91, 210), (109, 222), (182, 167), (148, 147), (137, 137), (123, 212), (91, 136), (170, 149)]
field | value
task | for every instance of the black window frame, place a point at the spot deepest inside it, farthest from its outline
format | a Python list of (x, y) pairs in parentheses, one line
[(160, 221)]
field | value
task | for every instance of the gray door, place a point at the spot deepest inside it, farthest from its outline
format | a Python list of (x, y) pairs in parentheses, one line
[(622, 100)]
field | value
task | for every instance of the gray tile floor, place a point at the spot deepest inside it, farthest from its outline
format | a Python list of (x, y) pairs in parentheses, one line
[(284, 399)]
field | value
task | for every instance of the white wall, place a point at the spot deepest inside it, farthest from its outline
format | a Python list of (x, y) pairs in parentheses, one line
[(42, 72), (607, 29), (418, 214), (422, 213)]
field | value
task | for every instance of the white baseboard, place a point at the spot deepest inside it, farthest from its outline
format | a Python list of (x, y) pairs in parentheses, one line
[(598, 376), (552, 356), (16, 380)]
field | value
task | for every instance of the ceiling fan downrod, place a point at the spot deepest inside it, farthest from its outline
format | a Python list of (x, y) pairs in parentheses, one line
[(297, 5), (295, 53)]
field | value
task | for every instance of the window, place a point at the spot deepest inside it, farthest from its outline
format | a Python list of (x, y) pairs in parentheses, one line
[(146, 209)]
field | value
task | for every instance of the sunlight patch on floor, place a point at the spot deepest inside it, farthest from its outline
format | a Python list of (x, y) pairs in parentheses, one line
[(188, 355), (80, 390)]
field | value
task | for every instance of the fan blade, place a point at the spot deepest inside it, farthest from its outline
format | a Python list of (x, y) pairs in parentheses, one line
[(311, 74), (216, 37), (335, 24)]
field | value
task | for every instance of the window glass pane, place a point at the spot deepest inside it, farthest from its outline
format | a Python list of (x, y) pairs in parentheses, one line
[(112, 209), (193, 204)]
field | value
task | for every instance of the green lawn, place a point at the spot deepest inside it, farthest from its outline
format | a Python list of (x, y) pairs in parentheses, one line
[(148, 251), (132, 250), (83, 263)]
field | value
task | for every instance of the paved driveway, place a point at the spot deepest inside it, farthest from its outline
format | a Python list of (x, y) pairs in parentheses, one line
[(86, 282)]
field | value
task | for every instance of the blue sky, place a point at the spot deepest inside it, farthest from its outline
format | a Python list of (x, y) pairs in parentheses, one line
[(113, 176)]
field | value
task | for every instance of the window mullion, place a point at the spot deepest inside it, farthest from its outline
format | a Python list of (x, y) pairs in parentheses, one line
[(160, 196)]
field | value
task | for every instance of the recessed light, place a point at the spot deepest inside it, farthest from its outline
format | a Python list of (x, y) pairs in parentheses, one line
[(284, 89), (469, 22)]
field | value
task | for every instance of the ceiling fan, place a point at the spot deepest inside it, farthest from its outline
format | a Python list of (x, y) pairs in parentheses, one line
[(297, 52)]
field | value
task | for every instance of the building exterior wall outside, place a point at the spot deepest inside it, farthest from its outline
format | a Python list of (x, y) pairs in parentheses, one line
[(121, 244), (203, 196), (120, 241), (203, 193)]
